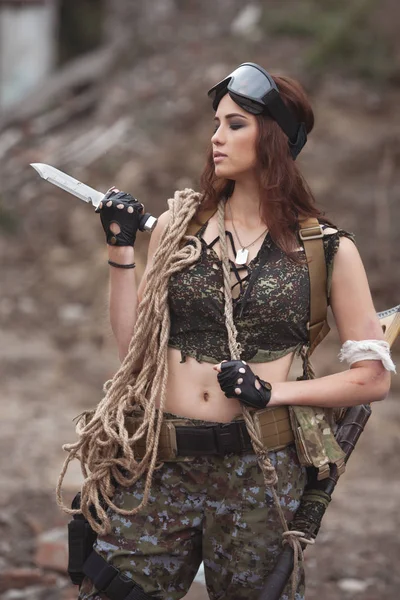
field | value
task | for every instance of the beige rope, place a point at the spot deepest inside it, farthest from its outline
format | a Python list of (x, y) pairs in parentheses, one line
[(105, 449), (308, 370), (294, 538)]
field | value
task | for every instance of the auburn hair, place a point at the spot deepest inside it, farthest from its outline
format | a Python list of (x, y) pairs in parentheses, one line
[(285, 195)]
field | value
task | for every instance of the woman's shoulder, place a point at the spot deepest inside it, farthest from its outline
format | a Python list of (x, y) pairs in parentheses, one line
[(335, 239), (333, 236)]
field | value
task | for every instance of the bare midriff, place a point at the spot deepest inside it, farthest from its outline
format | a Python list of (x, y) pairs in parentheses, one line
[(193, 390)]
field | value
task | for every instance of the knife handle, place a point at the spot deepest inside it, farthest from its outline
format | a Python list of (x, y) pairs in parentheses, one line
[(147, 222)]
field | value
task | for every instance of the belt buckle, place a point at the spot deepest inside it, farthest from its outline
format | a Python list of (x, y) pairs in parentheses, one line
[(227, 438)]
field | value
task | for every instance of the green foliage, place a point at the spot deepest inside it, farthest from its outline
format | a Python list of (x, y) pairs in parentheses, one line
[(340, 33)]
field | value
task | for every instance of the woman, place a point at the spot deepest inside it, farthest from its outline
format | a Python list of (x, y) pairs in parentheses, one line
[(205, 498)]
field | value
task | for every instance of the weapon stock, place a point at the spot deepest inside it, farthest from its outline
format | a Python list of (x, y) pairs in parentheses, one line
[(317, 494)]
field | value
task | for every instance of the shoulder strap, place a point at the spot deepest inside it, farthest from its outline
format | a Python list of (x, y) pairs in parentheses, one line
[(318, 446), (198, 220), (311, 234)]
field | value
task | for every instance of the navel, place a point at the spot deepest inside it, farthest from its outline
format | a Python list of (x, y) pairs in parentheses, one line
[(206, 396)]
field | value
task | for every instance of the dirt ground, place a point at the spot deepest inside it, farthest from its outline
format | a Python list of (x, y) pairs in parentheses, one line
[(44, 386)]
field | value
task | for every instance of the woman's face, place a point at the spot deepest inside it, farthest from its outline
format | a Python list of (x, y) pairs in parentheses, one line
[(234, 141)]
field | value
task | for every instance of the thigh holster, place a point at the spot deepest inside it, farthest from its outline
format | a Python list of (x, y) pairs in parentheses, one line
[(108, 579), (84, 561), (81, 538)]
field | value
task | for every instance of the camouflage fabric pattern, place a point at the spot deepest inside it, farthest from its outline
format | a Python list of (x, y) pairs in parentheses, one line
[(320, 445), (274, 320), (214, 509)]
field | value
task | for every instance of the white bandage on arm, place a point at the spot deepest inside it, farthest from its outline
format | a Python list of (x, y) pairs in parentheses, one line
[(353, 351)]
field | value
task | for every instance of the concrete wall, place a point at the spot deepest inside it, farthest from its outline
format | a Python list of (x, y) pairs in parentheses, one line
[(27, 47)]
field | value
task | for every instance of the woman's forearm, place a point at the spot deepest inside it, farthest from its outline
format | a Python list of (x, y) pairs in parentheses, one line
[(123, 299), (360, 385)]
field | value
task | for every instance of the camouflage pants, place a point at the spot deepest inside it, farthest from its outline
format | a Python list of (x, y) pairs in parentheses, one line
[(213, 508)]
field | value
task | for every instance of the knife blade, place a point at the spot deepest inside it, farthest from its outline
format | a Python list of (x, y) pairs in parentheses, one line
[(82, 191)]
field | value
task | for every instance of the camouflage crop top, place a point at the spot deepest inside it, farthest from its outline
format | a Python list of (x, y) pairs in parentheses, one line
[(273, 321)]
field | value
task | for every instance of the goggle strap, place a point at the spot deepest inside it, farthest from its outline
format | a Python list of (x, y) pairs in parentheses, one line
[(282, 115), (301, 139)]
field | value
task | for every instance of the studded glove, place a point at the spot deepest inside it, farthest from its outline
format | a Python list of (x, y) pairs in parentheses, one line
[(124, 210), (236, 374)]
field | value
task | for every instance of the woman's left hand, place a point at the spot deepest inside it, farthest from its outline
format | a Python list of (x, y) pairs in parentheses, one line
[(237, 380)]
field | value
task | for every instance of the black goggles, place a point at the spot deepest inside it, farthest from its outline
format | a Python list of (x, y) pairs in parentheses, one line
[(254, 90)]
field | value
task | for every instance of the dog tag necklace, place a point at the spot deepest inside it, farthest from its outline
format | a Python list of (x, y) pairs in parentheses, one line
[(242, 254)]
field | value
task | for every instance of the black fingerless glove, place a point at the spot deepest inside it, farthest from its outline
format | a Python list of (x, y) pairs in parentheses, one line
[(232, 372), (127, 217)]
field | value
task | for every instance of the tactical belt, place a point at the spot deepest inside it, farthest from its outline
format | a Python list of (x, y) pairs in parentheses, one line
[(180, 438), (109, 580)]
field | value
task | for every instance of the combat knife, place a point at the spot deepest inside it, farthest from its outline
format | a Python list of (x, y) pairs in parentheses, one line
[(84, 192)]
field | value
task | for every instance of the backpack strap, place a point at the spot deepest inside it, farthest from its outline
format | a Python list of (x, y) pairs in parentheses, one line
[(197, 222), (316, 446), (311, 234), (199, 219)]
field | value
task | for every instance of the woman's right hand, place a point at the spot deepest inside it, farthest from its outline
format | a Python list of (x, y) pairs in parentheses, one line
[(120, 215)]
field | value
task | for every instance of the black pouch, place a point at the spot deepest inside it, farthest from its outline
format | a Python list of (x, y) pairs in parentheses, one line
[(81, 538)]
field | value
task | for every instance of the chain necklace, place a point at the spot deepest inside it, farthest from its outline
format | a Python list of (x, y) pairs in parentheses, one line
[(242, 254)]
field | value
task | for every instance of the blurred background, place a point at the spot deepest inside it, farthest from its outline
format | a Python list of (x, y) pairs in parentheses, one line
[(114, 93)]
